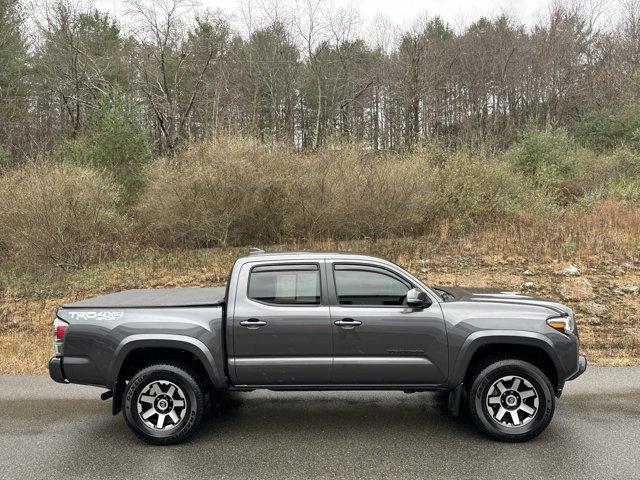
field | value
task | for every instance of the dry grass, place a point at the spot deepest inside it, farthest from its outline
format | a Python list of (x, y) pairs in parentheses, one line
[(26, 334), (606, 230)]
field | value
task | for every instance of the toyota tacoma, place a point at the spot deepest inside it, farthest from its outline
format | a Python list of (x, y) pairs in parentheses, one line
[(319, 321)]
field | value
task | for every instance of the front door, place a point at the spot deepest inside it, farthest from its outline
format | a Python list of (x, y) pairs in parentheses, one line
[(281, 326), (378, 339)]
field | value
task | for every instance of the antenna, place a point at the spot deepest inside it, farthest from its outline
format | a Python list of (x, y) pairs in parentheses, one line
[(255, 251)]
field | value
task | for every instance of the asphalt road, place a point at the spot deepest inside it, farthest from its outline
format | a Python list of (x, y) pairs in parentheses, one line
[(65, 431)]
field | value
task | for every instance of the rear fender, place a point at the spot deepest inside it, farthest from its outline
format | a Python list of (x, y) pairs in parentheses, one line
[(214, 371)]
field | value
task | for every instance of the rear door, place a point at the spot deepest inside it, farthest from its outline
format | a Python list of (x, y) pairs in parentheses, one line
[(378, 339), (281, 326)]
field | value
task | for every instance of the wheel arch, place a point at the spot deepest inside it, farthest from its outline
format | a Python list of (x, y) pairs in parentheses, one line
[(168, 343), (528, 346)]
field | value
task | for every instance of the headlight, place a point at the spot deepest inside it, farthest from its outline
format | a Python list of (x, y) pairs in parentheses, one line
[(563, 324)]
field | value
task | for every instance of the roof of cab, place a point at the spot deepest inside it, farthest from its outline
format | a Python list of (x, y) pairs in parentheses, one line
[(297, 255)]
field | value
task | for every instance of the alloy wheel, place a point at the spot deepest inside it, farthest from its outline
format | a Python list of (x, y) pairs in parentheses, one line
[(162, 405), (512, 401)]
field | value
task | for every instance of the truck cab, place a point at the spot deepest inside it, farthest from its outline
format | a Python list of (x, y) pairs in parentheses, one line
[(299, 320)]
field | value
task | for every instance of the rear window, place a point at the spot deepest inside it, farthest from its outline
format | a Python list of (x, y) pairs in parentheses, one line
[(285, 284)]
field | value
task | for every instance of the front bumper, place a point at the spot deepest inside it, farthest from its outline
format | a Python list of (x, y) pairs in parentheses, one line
[(55, 370), (582, 366)]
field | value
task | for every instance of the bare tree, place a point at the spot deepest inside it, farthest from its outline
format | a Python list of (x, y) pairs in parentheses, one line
[(81, 56), (171, 69)]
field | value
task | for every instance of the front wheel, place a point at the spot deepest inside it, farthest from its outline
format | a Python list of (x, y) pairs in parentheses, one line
[(164, 404), (511, 400)]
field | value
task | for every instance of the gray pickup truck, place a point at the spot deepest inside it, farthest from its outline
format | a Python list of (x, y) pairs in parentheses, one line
[(319, 321)]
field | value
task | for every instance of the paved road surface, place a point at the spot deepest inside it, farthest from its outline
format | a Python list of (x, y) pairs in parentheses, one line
[(66, 431)]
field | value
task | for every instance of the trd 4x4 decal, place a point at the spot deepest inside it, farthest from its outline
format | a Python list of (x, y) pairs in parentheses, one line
[(103, 315)]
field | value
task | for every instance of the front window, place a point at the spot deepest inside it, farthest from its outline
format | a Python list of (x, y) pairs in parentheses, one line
[(369, 287), (285, 284)]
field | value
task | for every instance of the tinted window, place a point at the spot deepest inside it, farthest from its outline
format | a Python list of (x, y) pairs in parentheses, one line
[(366, 287), (296, 286)]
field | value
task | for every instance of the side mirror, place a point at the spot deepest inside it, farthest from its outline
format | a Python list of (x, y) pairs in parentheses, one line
[(417, 298)]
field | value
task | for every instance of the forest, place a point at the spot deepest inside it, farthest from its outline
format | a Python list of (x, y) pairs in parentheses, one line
[(306, 75)]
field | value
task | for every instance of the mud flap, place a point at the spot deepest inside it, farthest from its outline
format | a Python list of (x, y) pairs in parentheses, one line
[(118, 391), (455, 397)]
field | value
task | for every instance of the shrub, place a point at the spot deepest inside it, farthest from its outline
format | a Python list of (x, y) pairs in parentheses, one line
[(212, 194), (115, 142), (236, 191), (75, 151), (240, 192), (553, 162), (609, 128), (613, 175), (353, 194), (470, 190), (544, 155), (625, 190), (60, 214)]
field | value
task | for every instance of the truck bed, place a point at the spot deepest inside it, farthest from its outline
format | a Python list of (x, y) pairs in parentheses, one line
[(155, 298)]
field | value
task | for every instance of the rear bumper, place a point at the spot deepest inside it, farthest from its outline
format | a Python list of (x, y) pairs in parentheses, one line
[(582, 366), (75, 369), (55, 370)]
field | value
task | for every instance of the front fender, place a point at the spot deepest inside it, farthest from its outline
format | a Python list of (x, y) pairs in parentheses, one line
[(181, 342), (500, 337)]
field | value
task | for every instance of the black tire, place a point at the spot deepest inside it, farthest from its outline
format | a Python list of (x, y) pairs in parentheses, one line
[(483, 385), (186, 393)]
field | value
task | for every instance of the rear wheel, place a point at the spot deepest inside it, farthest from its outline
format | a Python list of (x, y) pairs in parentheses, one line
[(164, 404), (511, 400)]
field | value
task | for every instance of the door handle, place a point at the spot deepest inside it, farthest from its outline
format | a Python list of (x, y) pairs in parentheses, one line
[(347, 323), (253, 323)]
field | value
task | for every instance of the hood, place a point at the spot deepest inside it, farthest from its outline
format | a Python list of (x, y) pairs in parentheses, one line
[(493, 295)]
